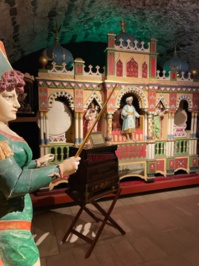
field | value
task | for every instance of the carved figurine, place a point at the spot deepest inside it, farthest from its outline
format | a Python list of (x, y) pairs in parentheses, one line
[(90, 117), (19, 175), (129, 116), (157, 121)]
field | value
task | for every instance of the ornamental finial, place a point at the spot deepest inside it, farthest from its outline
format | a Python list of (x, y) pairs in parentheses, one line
[(123, 25)]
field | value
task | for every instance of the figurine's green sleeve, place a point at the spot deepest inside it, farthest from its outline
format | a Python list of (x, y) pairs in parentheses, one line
[(31, 165), (16, 182)]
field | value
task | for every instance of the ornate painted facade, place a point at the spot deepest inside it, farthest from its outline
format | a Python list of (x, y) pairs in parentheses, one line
[(133, 66)]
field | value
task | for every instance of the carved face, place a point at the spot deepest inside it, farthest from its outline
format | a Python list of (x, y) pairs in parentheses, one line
[(8, 106), (92, 106), (130, 102)]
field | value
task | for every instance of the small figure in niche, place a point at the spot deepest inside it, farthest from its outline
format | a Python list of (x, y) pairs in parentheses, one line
[(157, 121), (129, 116), (90, 117)]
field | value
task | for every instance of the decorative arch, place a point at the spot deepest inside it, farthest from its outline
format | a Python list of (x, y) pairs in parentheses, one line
[(185, 98), (142, 99), (163, 100), (62, 93), (91, 98), (132, 68)]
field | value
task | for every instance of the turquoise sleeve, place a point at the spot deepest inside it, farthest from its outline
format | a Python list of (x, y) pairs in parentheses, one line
[(16, 182), (31, 165)]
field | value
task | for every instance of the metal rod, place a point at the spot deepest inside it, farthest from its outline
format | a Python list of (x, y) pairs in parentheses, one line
[(95, 122)]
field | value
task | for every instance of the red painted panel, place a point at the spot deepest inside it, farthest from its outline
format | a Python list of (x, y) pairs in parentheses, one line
[(132, 68), (144, 70), (43, 99), (79, 69), (111, 42), (131, 151), (195, 161), (111, 63), (160, 165), (171, 164), (152, 167), (181, 163), (119, 68), (173, 75), (153, 67), (153, 47)]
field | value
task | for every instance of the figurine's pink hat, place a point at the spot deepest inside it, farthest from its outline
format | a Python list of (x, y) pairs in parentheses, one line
[(4, 63)]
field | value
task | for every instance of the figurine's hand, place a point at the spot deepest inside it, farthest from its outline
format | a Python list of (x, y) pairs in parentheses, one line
[(43, 161), (69, 166)]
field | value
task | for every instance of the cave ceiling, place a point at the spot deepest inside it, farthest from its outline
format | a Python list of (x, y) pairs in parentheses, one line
[(28, 26)]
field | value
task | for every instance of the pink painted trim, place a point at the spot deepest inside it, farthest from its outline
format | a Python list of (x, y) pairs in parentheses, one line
[(12, 137)]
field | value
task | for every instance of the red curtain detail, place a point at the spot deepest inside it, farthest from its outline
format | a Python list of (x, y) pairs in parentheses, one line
[(119, 67), (132, 68)]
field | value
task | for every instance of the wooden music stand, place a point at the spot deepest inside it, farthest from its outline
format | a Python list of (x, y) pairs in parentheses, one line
[(107, 219)]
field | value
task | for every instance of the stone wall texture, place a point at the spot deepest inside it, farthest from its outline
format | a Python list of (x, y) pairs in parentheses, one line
[(27, 26)]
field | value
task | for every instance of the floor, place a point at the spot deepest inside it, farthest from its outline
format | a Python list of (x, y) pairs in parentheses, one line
[(162, 229)]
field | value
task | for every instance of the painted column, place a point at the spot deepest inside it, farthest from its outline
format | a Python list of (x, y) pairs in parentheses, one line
[(192, 125), (168, 144), (153, 58), (151, 151), (46, 132), (110, 67), (150, 126), (81, 137), (169, 132), (76, 128), (168, 148), (172, 124), (46, 129), (109, 122), (42, 133), (151, 145), (42, 128), (191, 148), (195, 147), (195, 125), (172, 134), (145, 126), (193, 142), (104, 123)]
